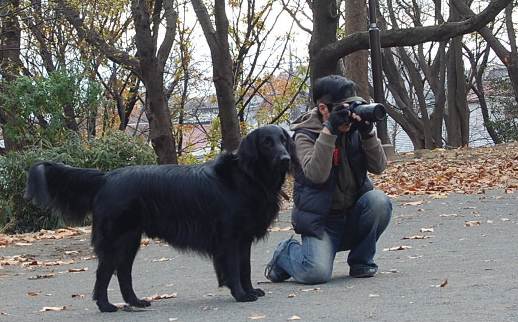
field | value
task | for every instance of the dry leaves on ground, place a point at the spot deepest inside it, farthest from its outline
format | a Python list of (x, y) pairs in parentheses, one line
[(440, 171), (28, 238)]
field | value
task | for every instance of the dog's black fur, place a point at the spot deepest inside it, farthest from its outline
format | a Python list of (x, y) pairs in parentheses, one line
[(216, 209)]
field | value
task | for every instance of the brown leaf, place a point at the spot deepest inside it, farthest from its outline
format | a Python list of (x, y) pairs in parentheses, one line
[(444, 283), (426, 230), (413, 203), (33, 293), (417, 237), (162, 259), (52, 308), (257, 317), (157, 297), (41, 276), (81, 296), (77, 270), (291, 295), (472, 223), (314, 289), (396, 248)]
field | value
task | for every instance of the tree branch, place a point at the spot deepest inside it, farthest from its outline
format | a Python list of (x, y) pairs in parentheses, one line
[(414, 36), (94, 39)]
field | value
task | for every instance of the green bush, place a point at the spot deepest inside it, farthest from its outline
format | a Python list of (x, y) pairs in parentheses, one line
[(112, 151)]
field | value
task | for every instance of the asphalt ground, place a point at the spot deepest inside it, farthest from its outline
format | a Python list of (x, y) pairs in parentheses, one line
[(461, 264)]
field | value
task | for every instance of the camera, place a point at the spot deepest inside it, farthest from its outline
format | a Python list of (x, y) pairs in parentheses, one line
[(372, 112)]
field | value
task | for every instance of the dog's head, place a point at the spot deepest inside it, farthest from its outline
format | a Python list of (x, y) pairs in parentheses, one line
[(267, 149)]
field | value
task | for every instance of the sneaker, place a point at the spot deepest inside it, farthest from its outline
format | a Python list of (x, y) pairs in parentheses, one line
[(362, 271), (272, 272)]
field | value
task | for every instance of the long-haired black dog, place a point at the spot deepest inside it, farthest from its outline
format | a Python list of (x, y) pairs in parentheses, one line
[(217, 209)]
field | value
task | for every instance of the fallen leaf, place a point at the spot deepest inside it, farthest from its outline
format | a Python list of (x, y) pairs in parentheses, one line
[(294, 317), (275, 229), (374, 295), (162, 259), (33, 293), (314, 289), (448, 215), (395, 248), (291, 295), (52, 308), (71, 252), (413, 203), (81, 296), (444, 283), (504, 219), (157, 297), (77, 270), (41, 276), (472, 223), (426, 230), (417, 237), (23, 244), (257, 317)]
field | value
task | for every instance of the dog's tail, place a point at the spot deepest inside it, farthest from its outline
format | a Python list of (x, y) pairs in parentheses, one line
[(65, 189)]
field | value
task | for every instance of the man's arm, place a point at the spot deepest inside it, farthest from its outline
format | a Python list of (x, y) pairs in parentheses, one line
[(374, 153), (316, 156)]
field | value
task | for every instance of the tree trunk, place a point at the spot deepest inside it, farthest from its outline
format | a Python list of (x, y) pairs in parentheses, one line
[(357, 64), (457, 122), (217, 39), (325, 24), (152, 71), (10, 64)]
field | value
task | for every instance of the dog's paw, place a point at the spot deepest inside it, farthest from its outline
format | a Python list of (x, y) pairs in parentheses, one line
[(257, 292), (247, 297), (107, 307), (140, 303)]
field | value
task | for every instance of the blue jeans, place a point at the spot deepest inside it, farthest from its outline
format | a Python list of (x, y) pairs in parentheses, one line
[(312, 261)]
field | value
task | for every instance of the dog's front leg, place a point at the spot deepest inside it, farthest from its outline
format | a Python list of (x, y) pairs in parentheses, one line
[(231, 263), (245, 269)]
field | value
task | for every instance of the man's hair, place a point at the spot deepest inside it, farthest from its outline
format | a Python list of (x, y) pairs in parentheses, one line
[(333, 89)]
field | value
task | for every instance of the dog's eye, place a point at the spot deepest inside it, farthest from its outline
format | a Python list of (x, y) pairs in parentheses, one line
[(268, 142)]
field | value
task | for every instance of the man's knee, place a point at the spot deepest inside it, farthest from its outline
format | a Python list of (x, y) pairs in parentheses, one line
[(316, 273), (379, 204)]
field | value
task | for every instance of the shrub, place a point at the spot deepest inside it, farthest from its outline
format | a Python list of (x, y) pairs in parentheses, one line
[(112, 151)]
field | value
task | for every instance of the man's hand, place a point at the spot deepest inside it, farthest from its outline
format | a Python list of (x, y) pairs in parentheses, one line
[(364, 127), (337, 118)]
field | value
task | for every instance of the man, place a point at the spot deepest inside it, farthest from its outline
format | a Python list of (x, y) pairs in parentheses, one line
[(335, 205)]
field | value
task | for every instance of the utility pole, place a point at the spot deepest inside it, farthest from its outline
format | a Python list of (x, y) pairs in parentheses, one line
[(377, 72)]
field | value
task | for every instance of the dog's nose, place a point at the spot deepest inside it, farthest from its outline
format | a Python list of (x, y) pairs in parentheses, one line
[(285, 160)]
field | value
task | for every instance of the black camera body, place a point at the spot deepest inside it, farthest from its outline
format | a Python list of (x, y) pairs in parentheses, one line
[(372, 112)]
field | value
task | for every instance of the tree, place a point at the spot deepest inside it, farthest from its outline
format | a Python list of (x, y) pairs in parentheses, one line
[(10, 63), (148, 64), (217, 39)]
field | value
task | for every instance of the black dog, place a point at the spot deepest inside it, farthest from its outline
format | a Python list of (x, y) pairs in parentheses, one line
[(217, 209)]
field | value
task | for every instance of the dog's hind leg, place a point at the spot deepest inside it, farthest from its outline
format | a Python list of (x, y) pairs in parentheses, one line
[(128, 247), (105, 270), (231, 270), (244, 268), (219, 267)]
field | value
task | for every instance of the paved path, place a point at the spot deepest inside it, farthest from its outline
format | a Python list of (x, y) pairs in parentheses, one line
[(478, 264)]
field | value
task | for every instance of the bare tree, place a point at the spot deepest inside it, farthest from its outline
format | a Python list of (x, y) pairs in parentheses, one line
[(148, 64), (217, 39), (10, 63)]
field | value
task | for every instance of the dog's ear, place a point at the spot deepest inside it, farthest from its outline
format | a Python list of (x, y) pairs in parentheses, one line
[(290, 147), (248, 153)]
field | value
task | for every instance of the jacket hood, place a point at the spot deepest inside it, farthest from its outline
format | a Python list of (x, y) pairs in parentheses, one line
[(309, 121)]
